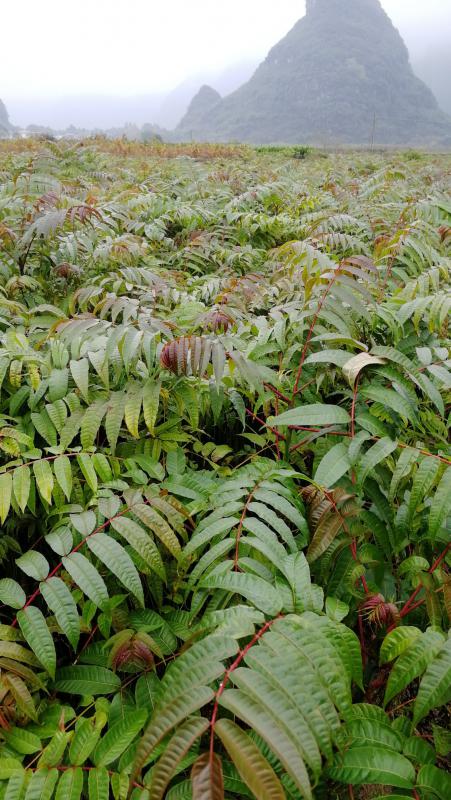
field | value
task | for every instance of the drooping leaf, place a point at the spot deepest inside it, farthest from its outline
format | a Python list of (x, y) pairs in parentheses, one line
[(315, 414), (86, 466), (435, 686), (16, 785), (413, 662), (254, 769), (91, 423), (36, 633), (80, 374), (275, 735), (22, 695), (423, 481), (441, 504), (98, 784), (151, 399), (118, 737), (63, 474), (53, 752), (390, 399), (356, 364), (84, 523), (397, 642), (6, 487), (86, 577), (114, 418), (44, 479), (17, 652), (70, 785), (207, 778), (84, 741), (159, 526), (11, 593), (373, 764), (22, 741), (86, 680), (132, 410), (255, 589), (408, 457), (59, 599), (333, 466), (21, 486), (141, 542), (330, 526), (42, 784), (34, 564), (432, 780), (113, 555), (161, 723), (182, 740), (377, 453)]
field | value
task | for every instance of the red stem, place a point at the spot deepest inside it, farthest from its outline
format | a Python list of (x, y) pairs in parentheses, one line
[(265, 424), (241, 523), (277, 393), (276, 409), (408, 605), (362, 640), (324, 431), (416, 605), (354, 401), (310, 332), (87, 643), (439, 560)]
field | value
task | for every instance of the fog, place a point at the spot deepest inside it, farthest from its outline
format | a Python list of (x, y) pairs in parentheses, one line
[(104, 62)]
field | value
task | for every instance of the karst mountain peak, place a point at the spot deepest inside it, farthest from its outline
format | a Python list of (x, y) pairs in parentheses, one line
[(341, 75)]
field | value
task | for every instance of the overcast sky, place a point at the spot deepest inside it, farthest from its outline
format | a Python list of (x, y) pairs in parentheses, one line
[(56, 47)]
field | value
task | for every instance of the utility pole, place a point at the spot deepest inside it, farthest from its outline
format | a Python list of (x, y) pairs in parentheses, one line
[(373, 131)]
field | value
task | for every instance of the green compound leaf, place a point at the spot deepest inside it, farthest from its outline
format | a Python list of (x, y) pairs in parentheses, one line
[(36, 633), (118, 737), (373, 764), (315, 414), (59, 599), (87, 680)]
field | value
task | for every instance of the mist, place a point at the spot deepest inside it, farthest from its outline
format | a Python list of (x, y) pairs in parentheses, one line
[(99, 65)]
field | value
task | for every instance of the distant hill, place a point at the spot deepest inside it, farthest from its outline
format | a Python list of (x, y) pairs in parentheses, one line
[(176, 102), (5, 125), (341, 75), (204, 101)]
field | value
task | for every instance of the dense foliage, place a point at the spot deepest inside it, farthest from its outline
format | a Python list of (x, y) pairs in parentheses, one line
[(225, 474)]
